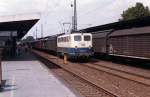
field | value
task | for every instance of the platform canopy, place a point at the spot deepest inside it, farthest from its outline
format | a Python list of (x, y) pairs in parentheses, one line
[(17, 25)]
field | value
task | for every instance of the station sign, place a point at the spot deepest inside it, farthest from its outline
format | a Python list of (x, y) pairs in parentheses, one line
[(8, 33)]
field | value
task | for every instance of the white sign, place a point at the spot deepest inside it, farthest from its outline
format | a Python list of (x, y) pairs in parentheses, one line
[(8, 33)]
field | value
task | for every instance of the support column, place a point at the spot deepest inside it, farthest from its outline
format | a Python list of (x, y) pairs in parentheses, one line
[(0, 68), (14, 46)]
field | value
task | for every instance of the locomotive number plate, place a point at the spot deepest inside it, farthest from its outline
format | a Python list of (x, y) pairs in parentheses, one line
[(82, 44)]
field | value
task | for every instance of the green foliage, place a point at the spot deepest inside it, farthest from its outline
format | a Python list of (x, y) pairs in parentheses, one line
[(135, 12), (28, 39)]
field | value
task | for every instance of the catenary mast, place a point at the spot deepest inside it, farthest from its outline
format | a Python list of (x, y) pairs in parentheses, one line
[(74, 20)]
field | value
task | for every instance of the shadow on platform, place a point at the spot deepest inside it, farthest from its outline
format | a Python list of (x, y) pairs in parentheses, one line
[(23, 56), (7, 88)]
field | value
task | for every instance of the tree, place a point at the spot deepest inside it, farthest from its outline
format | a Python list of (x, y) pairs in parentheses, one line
[(28, 39), (135, 12)]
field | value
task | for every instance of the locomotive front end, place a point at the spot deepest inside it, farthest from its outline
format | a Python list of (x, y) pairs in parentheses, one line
[(81, 45)]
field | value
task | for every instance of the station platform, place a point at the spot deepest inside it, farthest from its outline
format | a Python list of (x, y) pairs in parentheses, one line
[(29, 78)]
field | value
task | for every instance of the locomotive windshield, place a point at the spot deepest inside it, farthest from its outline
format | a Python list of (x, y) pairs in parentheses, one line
[(87, 38), (77, 38)]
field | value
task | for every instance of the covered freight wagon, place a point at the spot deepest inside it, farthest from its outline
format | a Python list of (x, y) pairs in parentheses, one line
[(134, 43)]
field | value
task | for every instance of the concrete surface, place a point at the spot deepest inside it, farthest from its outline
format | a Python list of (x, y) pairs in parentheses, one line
[(31, 79)]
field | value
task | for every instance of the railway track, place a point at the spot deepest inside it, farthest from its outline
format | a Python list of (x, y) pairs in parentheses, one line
[(86, 88), (79, 75), (111, 85), (69, 78), (123, 68), (145, 80)]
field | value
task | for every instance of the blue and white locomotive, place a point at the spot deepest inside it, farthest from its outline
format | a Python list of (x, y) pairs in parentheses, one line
[(75, 44)]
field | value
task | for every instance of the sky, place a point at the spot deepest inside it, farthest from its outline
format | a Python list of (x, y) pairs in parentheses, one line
[(55, 13)]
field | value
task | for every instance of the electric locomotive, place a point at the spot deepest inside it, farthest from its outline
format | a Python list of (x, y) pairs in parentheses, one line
[(75, 45)]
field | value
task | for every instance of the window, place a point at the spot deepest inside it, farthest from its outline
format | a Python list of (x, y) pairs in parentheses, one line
[(68, 38), (59, 40), (77, 38), (87, 38), (64, 39)]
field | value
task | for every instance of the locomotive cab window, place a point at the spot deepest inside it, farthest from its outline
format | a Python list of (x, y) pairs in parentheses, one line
[(77, 38), (87, 38), (59, 40)]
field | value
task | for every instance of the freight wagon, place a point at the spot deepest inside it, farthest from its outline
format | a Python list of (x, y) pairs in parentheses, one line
[(128, 43)]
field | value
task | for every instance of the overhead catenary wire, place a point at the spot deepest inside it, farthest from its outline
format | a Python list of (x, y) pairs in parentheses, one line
[(89, 11), (53, 11), (46, 13)]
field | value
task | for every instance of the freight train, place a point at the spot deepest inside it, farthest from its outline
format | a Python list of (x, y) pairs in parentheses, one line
[(132, 43), (74, 45), (125, 39)]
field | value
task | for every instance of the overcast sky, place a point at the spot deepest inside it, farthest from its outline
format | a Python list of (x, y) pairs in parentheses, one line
[(56, 12)]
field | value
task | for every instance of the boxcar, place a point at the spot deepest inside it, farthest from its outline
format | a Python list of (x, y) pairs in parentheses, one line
[(51, 44), (100, 42), (133, 43), (126, 43)]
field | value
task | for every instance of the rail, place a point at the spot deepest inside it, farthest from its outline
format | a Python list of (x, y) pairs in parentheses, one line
[(75, 71), (113, 87), (120, 73)]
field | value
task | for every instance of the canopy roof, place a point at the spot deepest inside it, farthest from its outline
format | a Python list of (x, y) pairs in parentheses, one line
[(18, 23), (140, 22)]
